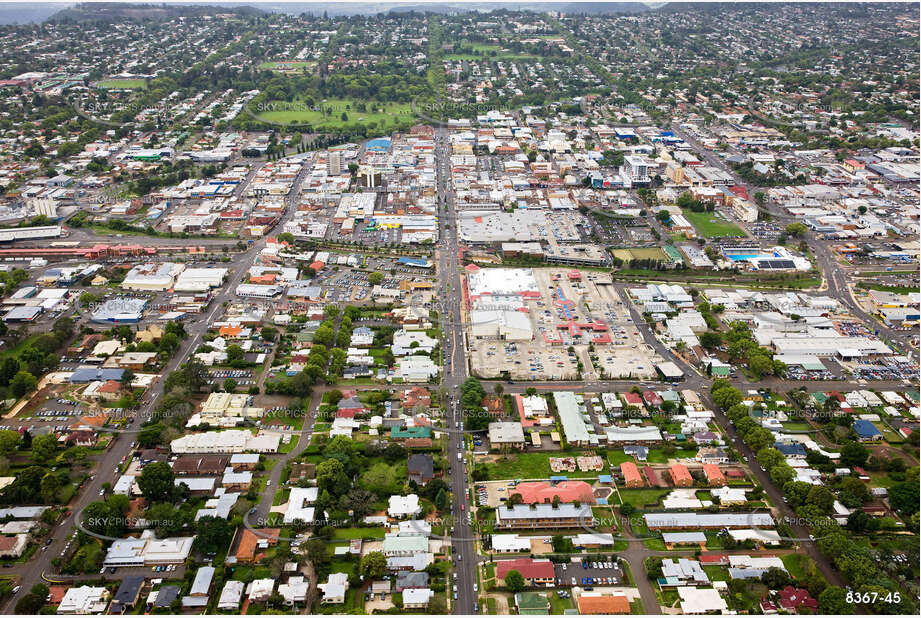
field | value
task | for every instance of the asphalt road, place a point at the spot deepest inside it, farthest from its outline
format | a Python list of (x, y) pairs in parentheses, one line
[(465, 556)]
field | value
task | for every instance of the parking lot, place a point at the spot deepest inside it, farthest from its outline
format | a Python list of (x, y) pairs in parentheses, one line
[(548, 356), (243, 377), (590, 571)]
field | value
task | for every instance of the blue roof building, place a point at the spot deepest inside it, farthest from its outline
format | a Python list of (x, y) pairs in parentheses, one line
[(83, 375), (794, 449), (866, 431)]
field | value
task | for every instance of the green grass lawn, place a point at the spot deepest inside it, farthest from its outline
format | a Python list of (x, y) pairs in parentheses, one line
[(132, 84), (283, 65), (657, 455), (16, 350), (717, 573), (615, 458), (709, 225), (386, 116), (528, 466), (641, 497), (287, 448), (796, 426), (794, 564), (890, 436), (558, 605), (359, 533)]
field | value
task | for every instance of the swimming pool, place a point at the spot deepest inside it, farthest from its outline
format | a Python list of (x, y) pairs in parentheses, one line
[(736, 257)]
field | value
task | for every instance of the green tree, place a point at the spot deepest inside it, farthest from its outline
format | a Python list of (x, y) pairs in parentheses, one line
[(514, 581), (212, 534), (796, 229), (9, 442), (230, 385), (30, 604), (23, 382), (833, 601), (156, 482), (44, 448), (711, 339), (234, 353), (854, 454), (376, 278), (373, 565)]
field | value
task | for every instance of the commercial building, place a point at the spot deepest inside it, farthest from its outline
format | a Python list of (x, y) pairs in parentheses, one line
[(506, 433), (571, 417), (535, 572), (537, 516), (200, 279), (230, 441), (84, 600), (706, 521), (148, 550), (152, 276)]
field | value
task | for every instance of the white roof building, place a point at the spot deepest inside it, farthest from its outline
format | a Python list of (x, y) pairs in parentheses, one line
[(404, 506), (152, 276), (501, 282), (334, 588), (417, 597), (295, 591), (260, 589), (571, 417), (84, 600), (508, 543), (199, 279), (504, 324), (416, 368), (298, 502), (148, 550), (231, 441), (701, 600), (403, 341), (231, 595)]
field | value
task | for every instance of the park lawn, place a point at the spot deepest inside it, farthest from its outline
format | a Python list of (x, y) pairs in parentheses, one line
[(558, 605), (796, 426), (709, 225), (641, 497), (359, 533), (387, 116), (130, 84)]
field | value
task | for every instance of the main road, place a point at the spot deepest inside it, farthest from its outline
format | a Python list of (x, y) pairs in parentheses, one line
[(464, 553)]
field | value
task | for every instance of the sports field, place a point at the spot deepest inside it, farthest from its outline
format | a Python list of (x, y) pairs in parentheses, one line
[(486, 51), (129, 84), (287, 65), (641, 253), (329, 114), (709, 225)]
